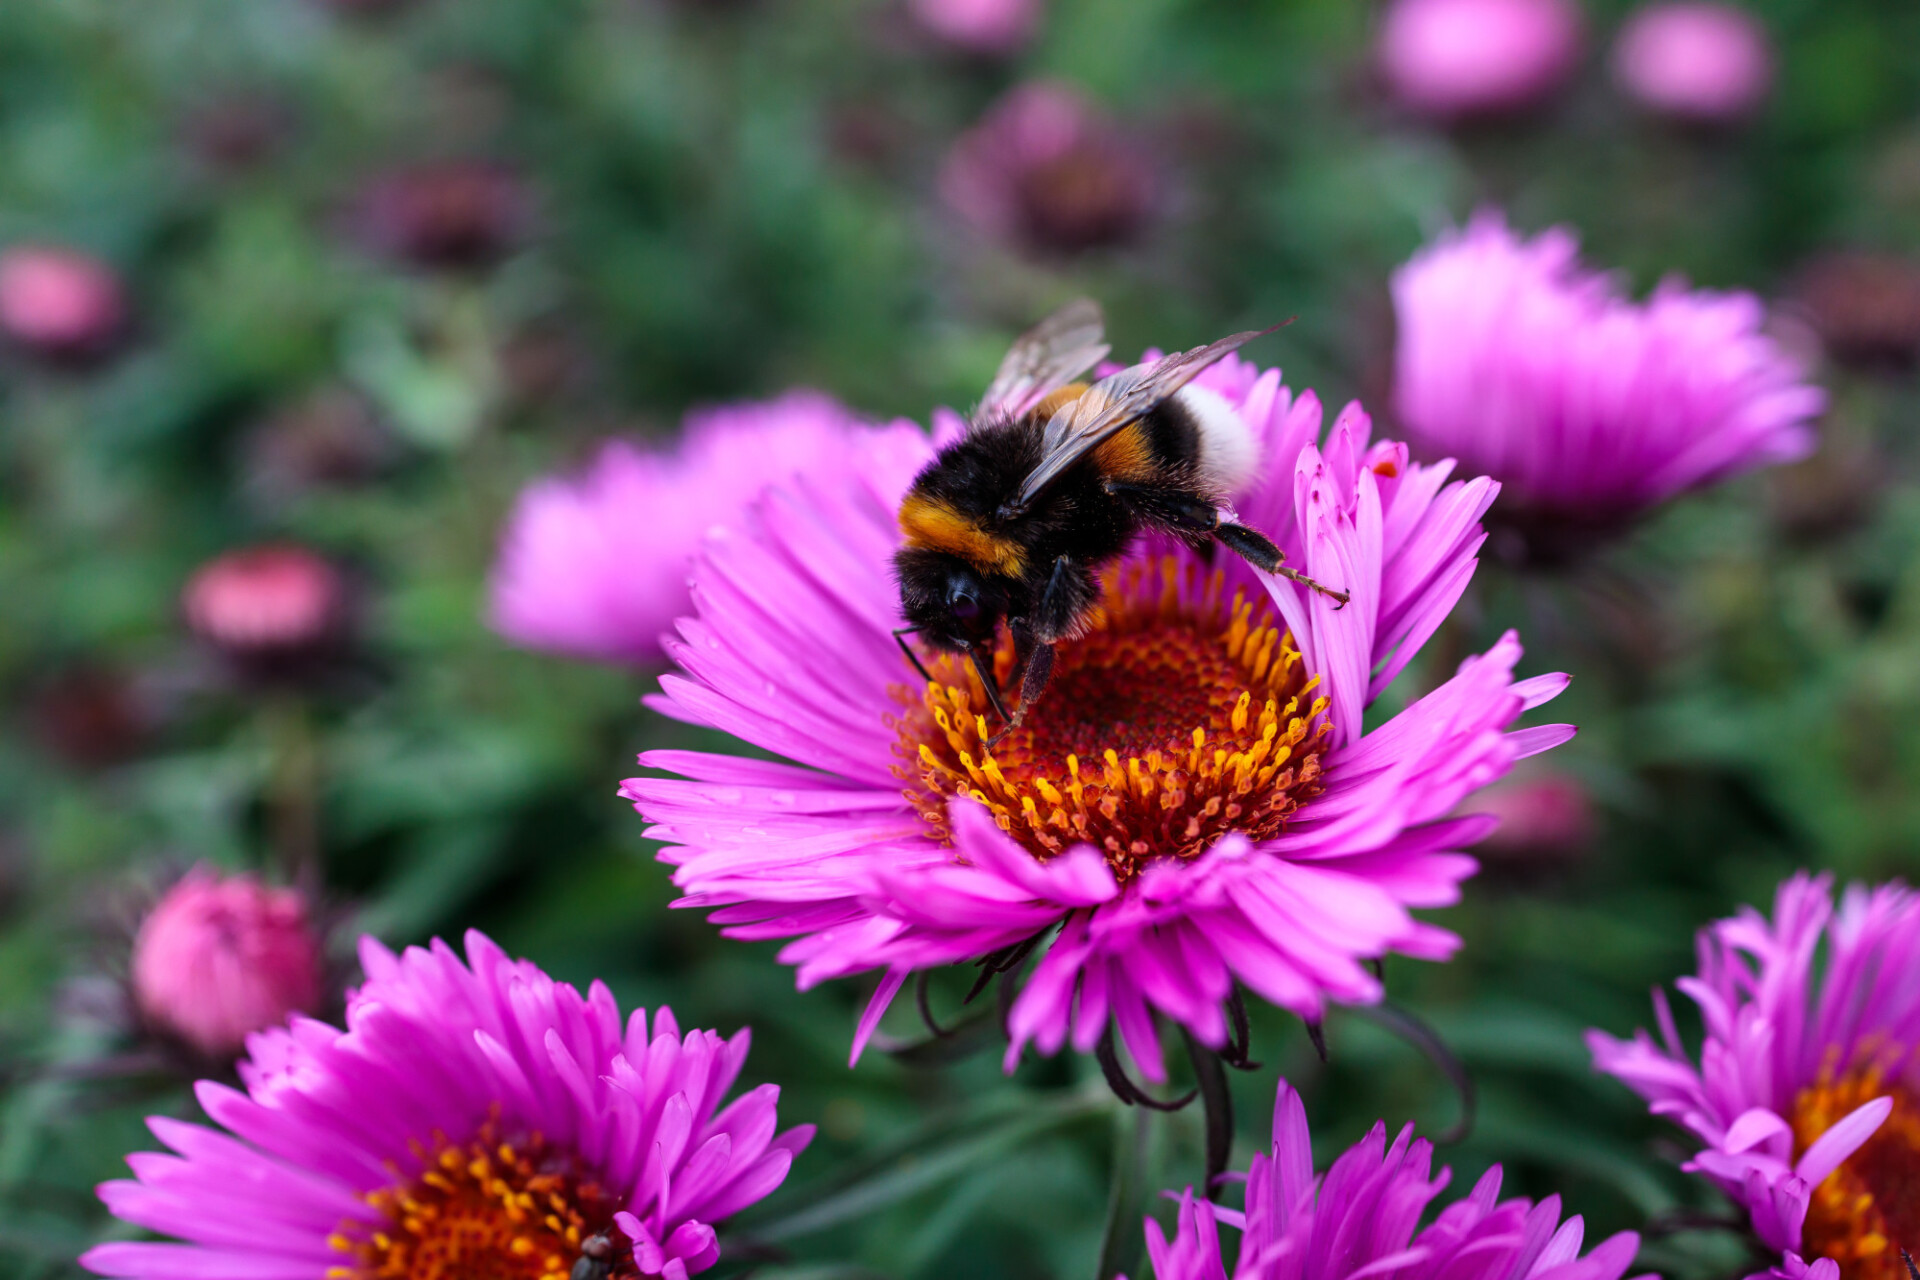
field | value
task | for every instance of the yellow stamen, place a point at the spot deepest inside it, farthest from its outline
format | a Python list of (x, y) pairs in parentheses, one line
[(1177, 718)]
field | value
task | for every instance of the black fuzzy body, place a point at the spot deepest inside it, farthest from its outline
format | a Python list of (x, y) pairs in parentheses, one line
[(1083, 520)]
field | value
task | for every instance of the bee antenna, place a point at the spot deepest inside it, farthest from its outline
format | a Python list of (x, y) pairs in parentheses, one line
[(1912, 1271), (899, 637)]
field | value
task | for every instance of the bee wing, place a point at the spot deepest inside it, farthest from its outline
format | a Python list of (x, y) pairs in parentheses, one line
[(1106, 407), (1047, 357)]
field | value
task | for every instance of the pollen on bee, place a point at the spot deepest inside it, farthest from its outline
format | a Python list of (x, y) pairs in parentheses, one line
[(1178, 717)]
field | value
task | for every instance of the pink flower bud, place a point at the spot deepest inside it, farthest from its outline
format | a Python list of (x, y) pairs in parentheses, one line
[(1452, 58), (1541, 814), (59, 302), (1704, 62), (218, 959), (988, 27), (265, 602)]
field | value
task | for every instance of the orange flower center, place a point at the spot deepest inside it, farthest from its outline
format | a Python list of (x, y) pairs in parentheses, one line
[(489, 1210), (1175, 719), (1868, 1209)]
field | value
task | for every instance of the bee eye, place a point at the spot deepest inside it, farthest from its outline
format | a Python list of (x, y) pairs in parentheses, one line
[(964, 608)]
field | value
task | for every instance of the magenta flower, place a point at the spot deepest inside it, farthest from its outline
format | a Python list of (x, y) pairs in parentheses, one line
[(220, 958), (1047, 172), (1587, 407), (1455, 58), (408, 1144), (1695, 60), (1194, 802), (1806, 1089), (596, 566), (1359, 1220)]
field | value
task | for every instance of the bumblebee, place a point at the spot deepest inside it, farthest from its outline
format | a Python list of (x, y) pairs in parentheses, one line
[(1055, 477)]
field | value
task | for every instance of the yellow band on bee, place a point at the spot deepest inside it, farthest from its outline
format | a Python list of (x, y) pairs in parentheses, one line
[(929, 522)]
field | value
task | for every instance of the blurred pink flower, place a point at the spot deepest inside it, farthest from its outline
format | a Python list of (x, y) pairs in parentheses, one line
[(1806, 1088), (459, 1091), (1046, 171), (1196, 803), (58, 302), (979, 26), (1586, 406), (1359, 1219), (267, 602), (1452, 58), (1695, 60), (445, 213), (596, 565), (219, 958), (1540, 813)]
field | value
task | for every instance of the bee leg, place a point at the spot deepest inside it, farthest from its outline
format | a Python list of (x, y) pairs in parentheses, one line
[(1257, 550), (983, 666), (900, 638), (1034, 682), (1192, 516), (1024, 649)]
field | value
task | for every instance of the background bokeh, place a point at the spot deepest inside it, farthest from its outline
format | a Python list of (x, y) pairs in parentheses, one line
[(384, 263)]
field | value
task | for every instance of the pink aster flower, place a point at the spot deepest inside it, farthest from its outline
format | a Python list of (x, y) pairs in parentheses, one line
[(456, 1090), (1695, 60), (1806, 1089), (1586, 406), (1046, 171), (1193, 803), (1452, 58), (219, 958), (596, 566), (1360, 1219)]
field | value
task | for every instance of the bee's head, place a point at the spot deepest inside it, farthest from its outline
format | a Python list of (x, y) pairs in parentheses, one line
[(948, 602)]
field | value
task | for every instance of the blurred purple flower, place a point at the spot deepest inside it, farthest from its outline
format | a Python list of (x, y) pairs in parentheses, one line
[(1806, 1089), (1587, 407), (987, 27), (59, 303), (236, 131), (456, 1090), (445, 214), (1458, 58), (219, 958), (268, 605), (1359, 1220), (1045, 171), (1237, 824), (329, 440), (1865, 306), (91, 714), (596, 566), (1695, 60)]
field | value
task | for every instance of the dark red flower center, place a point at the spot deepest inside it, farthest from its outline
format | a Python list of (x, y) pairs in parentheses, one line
[(1176, 719), (486, 1210), (1868, 1209)]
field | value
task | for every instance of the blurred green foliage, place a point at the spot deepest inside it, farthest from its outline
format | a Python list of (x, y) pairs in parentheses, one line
[(731, 198)]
